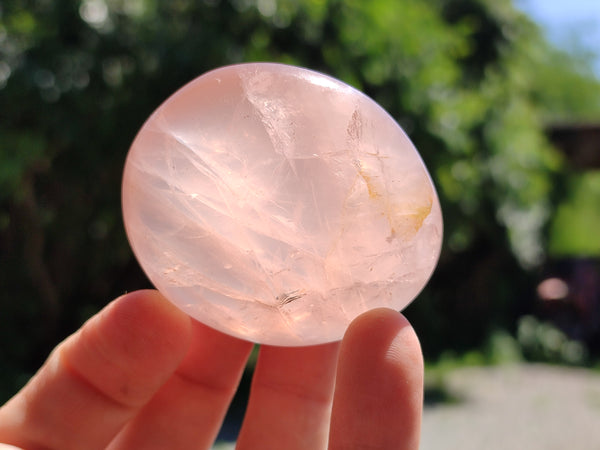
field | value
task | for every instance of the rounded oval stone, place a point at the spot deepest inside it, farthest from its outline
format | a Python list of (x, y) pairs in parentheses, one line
[(276, 204)]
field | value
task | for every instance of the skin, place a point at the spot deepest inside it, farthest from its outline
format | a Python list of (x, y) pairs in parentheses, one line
[(142, 374)]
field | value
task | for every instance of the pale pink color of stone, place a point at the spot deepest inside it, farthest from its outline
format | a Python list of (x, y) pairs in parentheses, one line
[(276, 204)]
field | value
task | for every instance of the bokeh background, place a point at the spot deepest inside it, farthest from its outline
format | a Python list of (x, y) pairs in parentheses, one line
[(507, 121)]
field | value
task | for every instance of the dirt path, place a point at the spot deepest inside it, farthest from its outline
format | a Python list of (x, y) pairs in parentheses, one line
[(517, 407)]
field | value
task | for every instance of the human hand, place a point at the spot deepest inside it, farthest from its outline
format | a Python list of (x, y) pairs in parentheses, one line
[(142, 375)]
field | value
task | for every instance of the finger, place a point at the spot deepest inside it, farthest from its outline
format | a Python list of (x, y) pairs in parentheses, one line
[(188, 410), (379, 388), (97, 379), (290, 398)]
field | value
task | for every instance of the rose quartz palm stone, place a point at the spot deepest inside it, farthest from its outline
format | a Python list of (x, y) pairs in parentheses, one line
[(276, 204)]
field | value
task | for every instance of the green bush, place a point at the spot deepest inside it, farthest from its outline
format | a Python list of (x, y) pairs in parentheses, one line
[(543, 342)]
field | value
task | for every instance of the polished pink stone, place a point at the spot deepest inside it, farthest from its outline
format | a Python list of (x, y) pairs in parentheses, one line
[(276, 204)]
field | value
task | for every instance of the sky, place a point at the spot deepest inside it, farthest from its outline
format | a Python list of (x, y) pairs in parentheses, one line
[(567, 22)]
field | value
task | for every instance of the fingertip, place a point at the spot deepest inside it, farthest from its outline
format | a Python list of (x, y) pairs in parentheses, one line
[(382, 345), (379, 388), (387, 330), (147, 314), (376, 324), (139, 336)]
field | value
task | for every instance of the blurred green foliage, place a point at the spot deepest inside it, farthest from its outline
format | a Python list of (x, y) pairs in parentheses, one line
[(472, 82), (542, 342), (574, 228)]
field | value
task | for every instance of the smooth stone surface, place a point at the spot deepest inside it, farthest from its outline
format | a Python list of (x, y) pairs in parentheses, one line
[(276, 204)]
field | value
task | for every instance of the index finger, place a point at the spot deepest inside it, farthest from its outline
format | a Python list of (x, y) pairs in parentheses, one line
[(96, 380)]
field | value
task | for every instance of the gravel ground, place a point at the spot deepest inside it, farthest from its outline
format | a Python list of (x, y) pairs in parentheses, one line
[(516, 407)]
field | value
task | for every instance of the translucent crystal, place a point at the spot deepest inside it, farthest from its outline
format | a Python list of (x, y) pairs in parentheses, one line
[(276, 204)]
